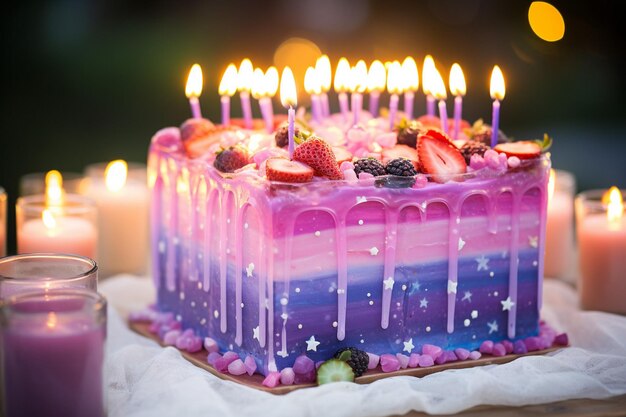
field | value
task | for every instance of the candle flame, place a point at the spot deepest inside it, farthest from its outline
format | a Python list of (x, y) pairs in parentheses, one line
[(258, 83), (438, 88), (551, 184), (428, 74), (54, 188), (410, 75), (228, 85), (394, 78), (614, 206), (288, 94), (48, 219), (271, 81), (244, 75), (497, 88), (311, 81), (342, 75), (324, 72), (358, 77), (194, 82), (51, 322), (457, 80), (115, 175), (376, 76)]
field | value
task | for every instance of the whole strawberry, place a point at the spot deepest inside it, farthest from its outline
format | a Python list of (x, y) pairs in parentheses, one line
[(231, 159), (319, 155), (193, 128)]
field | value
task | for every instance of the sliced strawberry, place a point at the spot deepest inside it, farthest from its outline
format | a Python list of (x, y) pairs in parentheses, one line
[(342, 155), (198, 145), (400, 151), (523, 149), (440, 159), (319, 155), (282, 169)]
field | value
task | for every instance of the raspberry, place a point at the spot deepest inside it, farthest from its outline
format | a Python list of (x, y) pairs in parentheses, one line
[(359, 360), (369, 165), (401, 167), (231, 159), (473, 147)]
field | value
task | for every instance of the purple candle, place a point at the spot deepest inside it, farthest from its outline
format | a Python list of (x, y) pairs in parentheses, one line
[(324, 104), (246, 108), (358, 84), (341, 83), (343, 105), (324, 76), (193, 89), (393, 109), (289, 99), (225, 101), (458, 108), (458, 89), (228, 86), (265, 104), (439, 91), (357, 105), (428, 75), (394, 87), (443, 116), (312, 87), (244, 85), (53, 347), (376, 81), (411, 83), (374, 97), (497, 90), (409, 96)]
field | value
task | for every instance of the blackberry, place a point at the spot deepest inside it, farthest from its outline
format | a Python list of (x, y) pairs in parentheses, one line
[(359, 360), (369, 165), (472, 147), (401, 167), (408, 132)]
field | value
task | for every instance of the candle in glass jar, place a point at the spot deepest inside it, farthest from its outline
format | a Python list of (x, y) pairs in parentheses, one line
[(560, 224)]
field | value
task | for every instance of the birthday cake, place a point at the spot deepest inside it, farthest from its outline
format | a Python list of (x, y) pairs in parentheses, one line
[(368, 247)]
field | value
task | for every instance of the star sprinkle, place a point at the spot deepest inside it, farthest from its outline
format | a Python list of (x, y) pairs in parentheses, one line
[(467, 295), (533, 241), (312, 344), (493, 327), (408, 346), (255, 333), (282, 354), (374, 251), (424, 303), (389, 283), (452, 287), (507, 304), (415, 287), (249, 270), (483, 263), (461, 243)]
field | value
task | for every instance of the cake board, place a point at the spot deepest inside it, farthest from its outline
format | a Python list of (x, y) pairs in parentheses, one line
[(255, 381)]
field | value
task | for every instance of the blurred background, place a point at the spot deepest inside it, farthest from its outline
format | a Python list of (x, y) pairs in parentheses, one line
[(91, 81)]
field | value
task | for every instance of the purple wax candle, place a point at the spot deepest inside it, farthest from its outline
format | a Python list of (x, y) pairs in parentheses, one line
[(408, 104), (495, 116), (443, 116), (246, 108), (343, 105), (53, 346), (316, 108), (430, 105), (374, 96), (458, 106), (291, 117), (195, 107), (393, 108), (325, 105), (225, 100), (357, 105), (265, 104)]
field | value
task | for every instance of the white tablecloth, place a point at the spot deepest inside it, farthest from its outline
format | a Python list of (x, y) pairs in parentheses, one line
[(144, 379)]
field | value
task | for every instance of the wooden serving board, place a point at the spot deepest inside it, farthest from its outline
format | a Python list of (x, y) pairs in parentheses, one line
[(256, 380)]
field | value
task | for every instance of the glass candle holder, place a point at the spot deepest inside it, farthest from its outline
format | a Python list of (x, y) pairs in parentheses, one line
[(559, 257), (122, 199), (35, 183), (46, 271), (53, 353), (3, 222), (69, 228), (601, 235)]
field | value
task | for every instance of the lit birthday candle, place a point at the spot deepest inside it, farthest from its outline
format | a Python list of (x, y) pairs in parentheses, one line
[(341, 82), (228, 87), (497, 90), (411, 84), (376, 80), (260, 92), (457, 88), (358, 75), (324, 76), (394, 87), (289, 100), (271, 86), (313, 88), (428, 71), (193, 89), (439, 92), (244, 85)]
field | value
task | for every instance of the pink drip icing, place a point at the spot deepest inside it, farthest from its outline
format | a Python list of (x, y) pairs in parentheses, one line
[(391, 234), (453, 263)]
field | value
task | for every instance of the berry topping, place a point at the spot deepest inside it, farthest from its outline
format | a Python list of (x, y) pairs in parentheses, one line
[(358, 359), (439, 157), (408, 130), (473, 147), (319, 155), (231, 159), (481, 132), (400, 167), (199, 140), (281, 169), (400, 151), (342, 155), (195, 128), (523, 149), (334, 370), (369, 165), (282, 135)]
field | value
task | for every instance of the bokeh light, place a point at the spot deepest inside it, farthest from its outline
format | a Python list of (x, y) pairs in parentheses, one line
[(546, 21), (298, 54)]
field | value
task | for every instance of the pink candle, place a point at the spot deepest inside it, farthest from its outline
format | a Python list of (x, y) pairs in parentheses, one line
[(289, 99), (357, 105), (324, 104), (602, 254), (3, 222), (560, 225), (393, 108), (343, 105), (265, 104), (374, 96), (443, 116), (409, 97), (495, 121), (246, 108), (225, 101), (53, 354), (68, 235), (430, 105)]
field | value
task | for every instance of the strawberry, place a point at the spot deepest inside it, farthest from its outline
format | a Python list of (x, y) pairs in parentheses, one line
[(524, 149), (342, 154), (197, 145), (439, 157), (193, 128), (319, 155), (282, 169), (231, 159), (400, 151)]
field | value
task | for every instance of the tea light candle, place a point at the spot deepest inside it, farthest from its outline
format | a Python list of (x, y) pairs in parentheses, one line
[(601, 232), (560, 224), (53, 353)]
